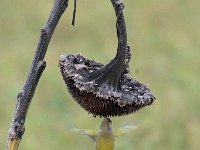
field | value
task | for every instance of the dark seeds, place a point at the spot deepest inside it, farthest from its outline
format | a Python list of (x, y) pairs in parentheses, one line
[(97, 100)]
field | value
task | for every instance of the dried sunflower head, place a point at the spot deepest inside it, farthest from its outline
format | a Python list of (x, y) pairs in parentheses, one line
[(106, 90)]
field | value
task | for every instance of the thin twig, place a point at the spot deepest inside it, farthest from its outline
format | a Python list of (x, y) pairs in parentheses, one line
[(24, 97), (74, 14)]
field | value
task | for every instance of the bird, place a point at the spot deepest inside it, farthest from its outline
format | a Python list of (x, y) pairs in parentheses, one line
[(105, 138)]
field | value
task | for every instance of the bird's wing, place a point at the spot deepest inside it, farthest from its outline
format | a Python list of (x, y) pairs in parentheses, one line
[(88, 132), (124, 130)]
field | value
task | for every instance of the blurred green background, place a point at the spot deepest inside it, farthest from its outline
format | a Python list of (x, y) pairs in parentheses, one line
[(164, 40)]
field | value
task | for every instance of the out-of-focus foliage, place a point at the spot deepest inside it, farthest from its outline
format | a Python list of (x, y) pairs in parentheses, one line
[(164, 39)]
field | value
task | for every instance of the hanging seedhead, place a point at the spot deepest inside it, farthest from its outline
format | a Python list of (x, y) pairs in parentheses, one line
[(106, 90)]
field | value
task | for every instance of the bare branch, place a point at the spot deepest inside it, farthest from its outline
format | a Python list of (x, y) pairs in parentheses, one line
[(24, 97)]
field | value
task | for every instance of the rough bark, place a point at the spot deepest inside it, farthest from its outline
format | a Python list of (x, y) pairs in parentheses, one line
[(25, 96)]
